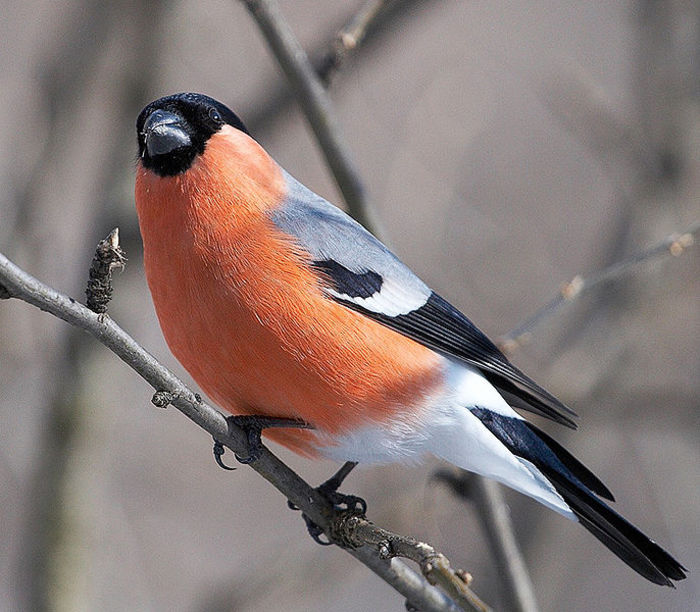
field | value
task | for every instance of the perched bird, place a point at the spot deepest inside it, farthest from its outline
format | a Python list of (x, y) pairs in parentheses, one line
[(280, 305)]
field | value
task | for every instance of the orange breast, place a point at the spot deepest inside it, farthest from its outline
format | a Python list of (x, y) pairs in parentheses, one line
[(243, 312)]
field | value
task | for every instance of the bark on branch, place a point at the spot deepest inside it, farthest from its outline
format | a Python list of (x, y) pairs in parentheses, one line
[(357, 531)]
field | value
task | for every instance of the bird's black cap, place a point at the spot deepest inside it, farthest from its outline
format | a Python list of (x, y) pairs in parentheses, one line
[(173, 130)]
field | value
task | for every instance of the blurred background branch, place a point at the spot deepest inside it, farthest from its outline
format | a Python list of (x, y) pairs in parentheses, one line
[(519, 594), (376, 21), (351, 36), (315, 103), (673, 245)]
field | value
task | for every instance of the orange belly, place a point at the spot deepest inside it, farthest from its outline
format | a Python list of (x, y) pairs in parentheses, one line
[(245, 315)]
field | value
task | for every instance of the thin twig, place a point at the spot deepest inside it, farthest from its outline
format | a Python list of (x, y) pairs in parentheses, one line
[(16, 283), (278, 96), (351, 36), (675, 245), (355, 530), (495, 517), (315, 103)]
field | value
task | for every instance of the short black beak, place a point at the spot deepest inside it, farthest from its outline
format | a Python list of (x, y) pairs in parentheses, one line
[(163, 132)]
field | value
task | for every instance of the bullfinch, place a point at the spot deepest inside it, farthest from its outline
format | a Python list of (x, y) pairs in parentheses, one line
[(281, 306)]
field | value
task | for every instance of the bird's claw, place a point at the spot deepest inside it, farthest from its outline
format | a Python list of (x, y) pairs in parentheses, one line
[(219, 450), (342, 504), (317, 534), (351, 504), (345, 504), (253, 427)]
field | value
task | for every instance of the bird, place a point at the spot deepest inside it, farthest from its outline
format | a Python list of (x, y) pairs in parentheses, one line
[(284, 309)]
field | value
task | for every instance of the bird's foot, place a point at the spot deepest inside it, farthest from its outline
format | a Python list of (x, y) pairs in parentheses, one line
[(253, 427), (342, 503)]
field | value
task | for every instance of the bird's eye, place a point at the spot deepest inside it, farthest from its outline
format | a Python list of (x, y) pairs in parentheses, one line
[(215, 116)]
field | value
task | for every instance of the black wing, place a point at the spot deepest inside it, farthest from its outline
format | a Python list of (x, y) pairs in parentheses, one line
[(440, 326)]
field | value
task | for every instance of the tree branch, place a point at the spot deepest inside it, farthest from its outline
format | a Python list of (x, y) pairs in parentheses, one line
[(351, 36), (315, 103), (495, 518), (16, 283), (354, 530), (675, 245), (278, 96)]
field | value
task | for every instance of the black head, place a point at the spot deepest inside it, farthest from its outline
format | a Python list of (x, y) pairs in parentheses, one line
[(173, 130)]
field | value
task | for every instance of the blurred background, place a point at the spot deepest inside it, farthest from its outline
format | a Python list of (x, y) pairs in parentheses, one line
[(505, 147)]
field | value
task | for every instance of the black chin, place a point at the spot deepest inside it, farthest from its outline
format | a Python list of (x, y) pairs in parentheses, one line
[(171, 164)]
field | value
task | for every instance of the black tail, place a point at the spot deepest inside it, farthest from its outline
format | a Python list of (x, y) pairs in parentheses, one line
[(619, 535), (577, 485)]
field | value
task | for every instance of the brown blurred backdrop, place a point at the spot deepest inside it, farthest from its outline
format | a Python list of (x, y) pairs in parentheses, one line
[(506, 146)]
